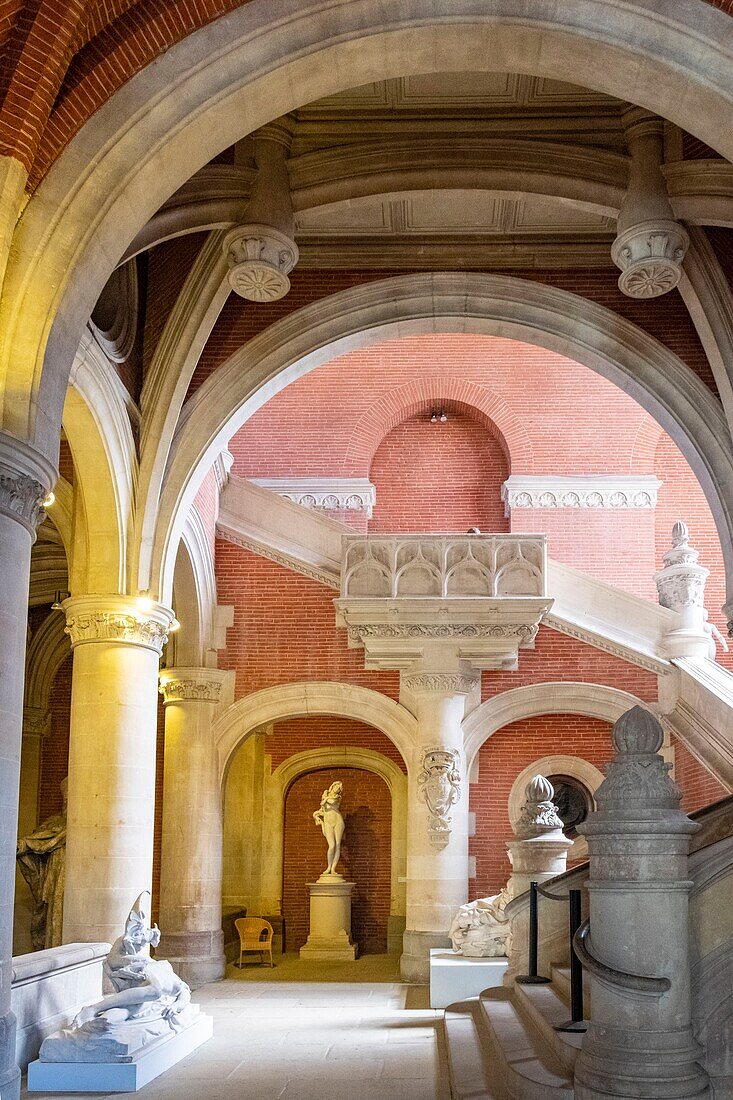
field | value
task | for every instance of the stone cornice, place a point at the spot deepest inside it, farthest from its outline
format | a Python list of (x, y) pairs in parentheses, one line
[(122, 619), (579, 491), (185, 685), (347, 494)]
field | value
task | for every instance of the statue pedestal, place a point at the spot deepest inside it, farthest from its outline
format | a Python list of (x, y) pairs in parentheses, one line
[(330, 930)]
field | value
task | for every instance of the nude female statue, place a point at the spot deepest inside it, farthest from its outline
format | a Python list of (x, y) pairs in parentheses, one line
[(328, 816)]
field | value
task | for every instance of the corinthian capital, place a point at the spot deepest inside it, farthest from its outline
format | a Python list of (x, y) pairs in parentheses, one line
[(184, 685), (26, 478), (126, 620)]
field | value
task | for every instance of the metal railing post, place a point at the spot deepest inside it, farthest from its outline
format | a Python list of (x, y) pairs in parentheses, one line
[(533, 978), (576, 1021)]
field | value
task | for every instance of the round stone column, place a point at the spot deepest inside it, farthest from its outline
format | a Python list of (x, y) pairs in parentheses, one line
[(191, 862), (437, 818), (117, 642), (639, 1042), (25, 480)]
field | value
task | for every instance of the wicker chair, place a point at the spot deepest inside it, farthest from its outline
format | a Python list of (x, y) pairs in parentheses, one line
[(255, 934)]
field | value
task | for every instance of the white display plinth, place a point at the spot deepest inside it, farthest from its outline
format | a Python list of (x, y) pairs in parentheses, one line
[(149, 1063), (455, 977), (330, 927)]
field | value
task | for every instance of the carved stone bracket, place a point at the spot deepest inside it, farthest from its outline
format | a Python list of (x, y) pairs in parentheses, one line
[(260, 259), (650, 256), (183, 685), (439, 787), (117, 619)]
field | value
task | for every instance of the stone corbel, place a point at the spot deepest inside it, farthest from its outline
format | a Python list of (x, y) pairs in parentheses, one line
[(651, 244), (261, 252)]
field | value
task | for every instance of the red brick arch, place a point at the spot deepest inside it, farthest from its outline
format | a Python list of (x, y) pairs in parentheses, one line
[(454, 395)]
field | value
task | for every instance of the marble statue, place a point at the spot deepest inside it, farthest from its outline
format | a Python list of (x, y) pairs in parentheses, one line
[(42, 863), (480, 929), (328, 816), (149, 1001)]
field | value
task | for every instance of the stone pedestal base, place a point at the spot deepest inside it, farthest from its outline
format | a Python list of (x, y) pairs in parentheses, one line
[(454, 977), (330, 929), (130, 1076)]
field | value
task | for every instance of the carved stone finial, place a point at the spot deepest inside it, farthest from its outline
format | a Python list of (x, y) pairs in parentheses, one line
[(539, 814), (681, 583), (637, 731)]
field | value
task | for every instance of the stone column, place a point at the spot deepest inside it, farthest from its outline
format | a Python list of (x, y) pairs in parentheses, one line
[(639, 1043), (191, 862), (25, 480), (117, 642), (437, 817)]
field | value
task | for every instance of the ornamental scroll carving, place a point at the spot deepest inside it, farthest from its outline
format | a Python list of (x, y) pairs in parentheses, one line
[(455, 683), (22, 498), (439, 787), (442, 630)]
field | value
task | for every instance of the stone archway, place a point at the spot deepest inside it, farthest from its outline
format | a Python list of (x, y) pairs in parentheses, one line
[(245, 69)]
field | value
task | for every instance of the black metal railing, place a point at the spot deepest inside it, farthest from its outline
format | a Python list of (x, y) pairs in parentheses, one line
[(533, 977)]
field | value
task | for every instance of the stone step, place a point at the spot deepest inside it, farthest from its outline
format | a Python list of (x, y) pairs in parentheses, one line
[(467, 1067), (544, 1007), (560, 975), (523, 1064)]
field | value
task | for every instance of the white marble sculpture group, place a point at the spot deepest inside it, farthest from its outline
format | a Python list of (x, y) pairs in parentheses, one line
[(149, 1002), (329, 817)]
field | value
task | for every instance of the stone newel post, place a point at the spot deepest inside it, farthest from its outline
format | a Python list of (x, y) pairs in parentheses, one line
[(437, 821), (640, 1042), (117, 642), (25, 478), (191, 860)]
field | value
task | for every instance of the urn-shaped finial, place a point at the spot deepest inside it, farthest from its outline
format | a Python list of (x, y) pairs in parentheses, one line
[(680, 534), (637, 731)]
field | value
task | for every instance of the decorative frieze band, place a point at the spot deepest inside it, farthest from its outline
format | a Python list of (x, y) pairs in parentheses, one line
[(139, 622), (337, 494), (455, 683), (591, 491), (184, 685), (442, 630)]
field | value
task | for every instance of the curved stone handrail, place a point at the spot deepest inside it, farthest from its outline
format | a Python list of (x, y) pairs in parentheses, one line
[(619, 979)]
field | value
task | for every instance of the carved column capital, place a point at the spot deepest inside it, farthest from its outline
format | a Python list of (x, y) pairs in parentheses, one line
[(26, 478), (188, 685), (260, 259), (36, 722), (446, 683), (126, 620)]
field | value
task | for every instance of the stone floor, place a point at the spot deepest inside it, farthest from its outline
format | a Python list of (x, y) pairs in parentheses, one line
[(307, 1032)]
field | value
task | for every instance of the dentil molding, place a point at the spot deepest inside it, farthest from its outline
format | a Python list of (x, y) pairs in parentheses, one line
[(123, 619), (582, 491), (345, 494)]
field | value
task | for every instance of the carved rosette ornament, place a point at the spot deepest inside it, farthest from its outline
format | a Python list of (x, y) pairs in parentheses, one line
[(186, 685), (650, 257), (260, 259), (119, 619), (439, 787), (539, 814)]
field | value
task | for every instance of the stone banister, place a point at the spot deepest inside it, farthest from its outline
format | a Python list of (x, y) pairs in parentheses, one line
[(471, 565)]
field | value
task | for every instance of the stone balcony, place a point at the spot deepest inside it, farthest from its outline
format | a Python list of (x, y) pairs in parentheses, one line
[(438, 601)]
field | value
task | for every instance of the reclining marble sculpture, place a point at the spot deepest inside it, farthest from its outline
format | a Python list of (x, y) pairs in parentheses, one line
[(149, 1002), (480, 928)]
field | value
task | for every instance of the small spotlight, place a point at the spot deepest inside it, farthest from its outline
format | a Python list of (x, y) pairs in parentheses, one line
[(175, 625), (48, 501), (443, 417), (434, 418)]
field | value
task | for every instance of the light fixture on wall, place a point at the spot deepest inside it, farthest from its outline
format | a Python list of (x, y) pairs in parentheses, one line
[(443, 417), (438, 417)]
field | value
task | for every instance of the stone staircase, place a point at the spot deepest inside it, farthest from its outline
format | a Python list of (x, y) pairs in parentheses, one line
[(502, 1045)]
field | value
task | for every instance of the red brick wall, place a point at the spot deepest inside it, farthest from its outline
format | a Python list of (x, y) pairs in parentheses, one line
[(326, 731), (284, 628), (699, 787), (500, 760), (439, 477), (365, 860)]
